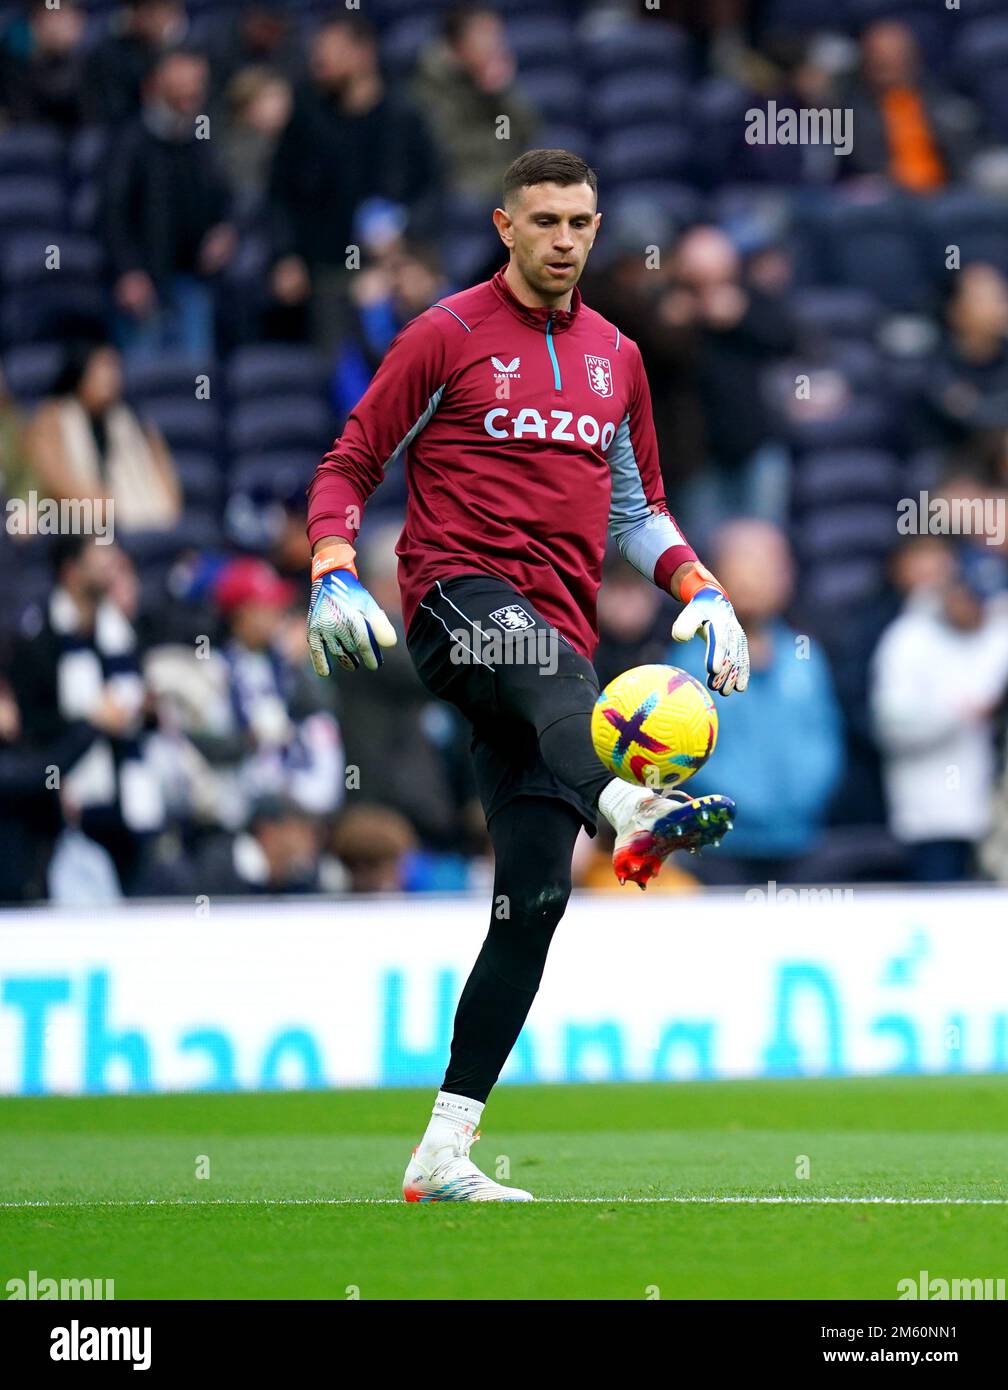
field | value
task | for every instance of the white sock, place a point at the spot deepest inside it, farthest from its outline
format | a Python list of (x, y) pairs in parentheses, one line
[(619, 800), (451, 1116)]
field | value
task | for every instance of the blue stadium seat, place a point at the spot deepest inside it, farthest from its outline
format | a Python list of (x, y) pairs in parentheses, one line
[(273, 474), (655, 151), (274, 369), (862, 422), (537, 39), (186, 423), (32, 201), (827, 477), (171, 375), (977, 224), (836, 310), (555, 92), (875, 246), (608, 48), (31, 371), (401, 42), (288, 422), (201, 477), (636, 98), (35, 150)]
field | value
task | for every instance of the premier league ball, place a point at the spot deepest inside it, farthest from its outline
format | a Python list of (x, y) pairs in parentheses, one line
[(654, 725)]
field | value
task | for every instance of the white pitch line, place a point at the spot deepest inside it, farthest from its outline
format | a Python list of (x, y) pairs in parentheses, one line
[(701, 1200)]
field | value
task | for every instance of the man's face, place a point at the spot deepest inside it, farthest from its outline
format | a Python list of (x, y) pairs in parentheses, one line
[(550, 229), (182, 83)]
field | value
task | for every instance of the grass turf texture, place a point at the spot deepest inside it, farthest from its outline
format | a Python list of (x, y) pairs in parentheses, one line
[(118, 1173)]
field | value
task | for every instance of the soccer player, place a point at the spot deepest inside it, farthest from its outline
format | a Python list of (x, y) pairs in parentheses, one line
[(525, 418)]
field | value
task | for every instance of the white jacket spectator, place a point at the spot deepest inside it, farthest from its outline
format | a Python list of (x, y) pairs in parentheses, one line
[(934, 689)]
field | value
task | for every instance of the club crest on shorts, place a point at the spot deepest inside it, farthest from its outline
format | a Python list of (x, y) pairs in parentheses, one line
[(512, 618), (599, 375)]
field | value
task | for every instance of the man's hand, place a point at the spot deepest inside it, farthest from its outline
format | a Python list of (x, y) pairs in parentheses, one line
[(709, 611), (343, 619)]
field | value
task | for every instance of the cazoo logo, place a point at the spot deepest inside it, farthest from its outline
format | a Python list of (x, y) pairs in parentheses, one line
[(500, 424)]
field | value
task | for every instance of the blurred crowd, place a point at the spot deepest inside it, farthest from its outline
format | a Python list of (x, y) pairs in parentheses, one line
[(214, 218)]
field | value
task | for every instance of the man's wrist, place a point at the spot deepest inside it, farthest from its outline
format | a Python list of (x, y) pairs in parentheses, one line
[(331, 553), (690, 578)]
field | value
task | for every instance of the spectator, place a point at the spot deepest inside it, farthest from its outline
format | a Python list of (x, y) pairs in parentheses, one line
[(466, 82), (286, 741), (633, 621), (780, 750), (42, 67), (374, 844), (733, 331), (76, 679), (939, 675), (140, 33), (261, 36), (401, 283), (349, 139), (166, 211), (279, 852), (401, 742), (86, 442), (258, 107), (905, 127), (969, 386)]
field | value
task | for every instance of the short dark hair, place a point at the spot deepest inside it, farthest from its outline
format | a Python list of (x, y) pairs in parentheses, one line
[(548, 166)]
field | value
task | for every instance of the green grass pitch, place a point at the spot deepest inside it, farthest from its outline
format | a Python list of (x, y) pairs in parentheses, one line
[(645, 1191)]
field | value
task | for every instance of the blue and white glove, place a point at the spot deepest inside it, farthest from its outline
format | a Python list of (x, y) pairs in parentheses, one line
[(344, 622), (709, 611)]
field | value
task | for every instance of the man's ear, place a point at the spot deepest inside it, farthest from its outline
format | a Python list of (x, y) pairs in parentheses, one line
[(505, 227)]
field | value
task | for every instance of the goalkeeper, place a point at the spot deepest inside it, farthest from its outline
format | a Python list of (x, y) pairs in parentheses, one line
[(525, 421)]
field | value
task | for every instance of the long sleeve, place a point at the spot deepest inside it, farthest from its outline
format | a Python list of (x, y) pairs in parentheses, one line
[(403, 395), (639, 519)]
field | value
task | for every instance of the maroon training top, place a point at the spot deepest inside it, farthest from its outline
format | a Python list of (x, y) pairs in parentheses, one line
[(528, 439)]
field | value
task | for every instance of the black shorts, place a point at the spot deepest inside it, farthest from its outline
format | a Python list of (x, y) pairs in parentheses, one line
[(482, 614)]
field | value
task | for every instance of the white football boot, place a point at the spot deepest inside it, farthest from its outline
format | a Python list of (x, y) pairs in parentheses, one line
[(448, 1174), (660, 824)]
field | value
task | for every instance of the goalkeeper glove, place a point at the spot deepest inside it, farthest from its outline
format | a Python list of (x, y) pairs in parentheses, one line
[(708, 610), (343, 619)]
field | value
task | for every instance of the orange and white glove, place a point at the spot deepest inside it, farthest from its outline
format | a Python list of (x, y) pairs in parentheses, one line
[(344, 622), (709, 610)]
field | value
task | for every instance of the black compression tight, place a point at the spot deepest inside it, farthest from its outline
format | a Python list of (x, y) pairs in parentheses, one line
[(533, 840)]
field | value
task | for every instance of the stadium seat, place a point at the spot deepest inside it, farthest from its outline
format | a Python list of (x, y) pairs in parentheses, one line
[(285, 422), (835, 310), (31, 371), (201, 477), (654, 151), (185, 422), (961, 217), (536, 39), (635, 98), (846, 530), (862, 422), (169, 375), (34, 150), (273, 475), (39, 302), (875, 246), (274, 369), (32, 201), (401, 43), (832, 476), (609, 48), (555, 92)]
